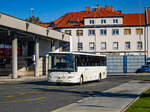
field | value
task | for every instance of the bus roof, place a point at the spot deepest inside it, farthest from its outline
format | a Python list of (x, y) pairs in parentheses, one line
[(76, 53)]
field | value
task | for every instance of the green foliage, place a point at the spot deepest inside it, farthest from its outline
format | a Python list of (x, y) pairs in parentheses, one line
[(142, 104), (33, 19), (145, 79)]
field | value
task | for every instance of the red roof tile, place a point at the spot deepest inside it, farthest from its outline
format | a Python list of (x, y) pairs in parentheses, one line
[(129, 19), (134, 19)]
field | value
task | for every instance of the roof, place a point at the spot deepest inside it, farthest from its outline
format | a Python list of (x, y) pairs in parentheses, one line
[(134, 19), (148, 15), (44, 25), (128, 19)]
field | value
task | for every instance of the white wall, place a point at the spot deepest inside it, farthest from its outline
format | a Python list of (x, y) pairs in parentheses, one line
[(148, 38), (109, 21), (109, 39)]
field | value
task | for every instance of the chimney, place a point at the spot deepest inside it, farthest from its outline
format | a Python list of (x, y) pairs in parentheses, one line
[(98, 7), (87, 9), (120, 12)]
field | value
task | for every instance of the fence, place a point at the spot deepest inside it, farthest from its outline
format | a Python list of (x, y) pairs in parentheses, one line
[(125, 64)]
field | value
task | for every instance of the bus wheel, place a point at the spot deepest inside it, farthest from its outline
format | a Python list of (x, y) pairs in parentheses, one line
[(81, 80), (100, 77)]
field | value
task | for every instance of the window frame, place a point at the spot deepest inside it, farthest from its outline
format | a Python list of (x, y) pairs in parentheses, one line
[(115, 21), (125, 33), (114, 31), (115, 48), (141, 45), (105, 44), (79, 34), (139, 33), (68, 33), (93, 47), (90, 32), (80, 46), (129, 45), (92, 21), (103, 31), (103, 21)]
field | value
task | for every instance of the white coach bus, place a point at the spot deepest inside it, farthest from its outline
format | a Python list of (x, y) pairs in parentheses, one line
[(67, 67)]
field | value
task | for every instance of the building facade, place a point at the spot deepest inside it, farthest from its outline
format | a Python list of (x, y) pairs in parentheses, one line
[(107, 31)]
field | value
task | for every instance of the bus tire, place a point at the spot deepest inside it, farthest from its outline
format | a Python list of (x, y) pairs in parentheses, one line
[(100, 77), (81, 80)]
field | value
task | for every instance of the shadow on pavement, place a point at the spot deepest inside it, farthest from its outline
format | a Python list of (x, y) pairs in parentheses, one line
[(90, 93)]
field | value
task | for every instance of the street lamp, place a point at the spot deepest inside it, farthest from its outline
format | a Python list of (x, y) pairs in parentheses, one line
[(32, 10)]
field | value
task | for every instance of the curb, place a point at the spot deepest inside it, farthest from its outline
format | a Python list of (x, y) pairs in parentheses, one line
[(124, 109)]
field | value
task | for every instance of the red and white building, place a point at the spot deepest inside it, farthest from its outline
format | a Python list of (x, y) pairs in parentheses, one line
[(107, 31)]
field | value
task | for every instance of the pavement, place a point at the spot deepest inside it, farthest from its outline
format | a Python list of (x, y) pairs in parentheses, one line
[(8, 79), (117, 99)]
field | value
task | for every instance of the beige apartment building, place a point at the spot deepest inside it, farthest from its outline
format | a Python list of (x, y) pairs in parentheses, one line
[(107, 31)]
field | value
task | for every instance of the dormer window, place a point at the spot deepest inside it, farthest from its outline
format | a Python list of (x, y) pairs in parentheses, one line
[(91, 21), (103, 21), (73, 22), (115, 21)]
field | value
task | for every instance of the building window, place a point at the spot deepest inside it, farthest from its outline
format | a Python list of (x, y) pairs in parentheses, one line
[(103, 32), (91, 21), (80, 46), (115, 32), (127, 31), (115, 45), (139, 45), (92, 46), (103, 21), (91, 32), (68, 32), (115, 21), (139, 31), (127, 45), (79, 32), (103, 45)]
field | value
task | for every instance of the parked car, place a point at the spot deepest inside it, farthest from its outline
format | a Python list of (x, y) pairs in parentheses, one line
[(145, 68)]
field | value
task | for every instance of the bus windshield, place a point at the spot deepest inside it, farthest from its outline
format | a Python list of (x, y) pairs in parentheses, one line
[(61, 62)]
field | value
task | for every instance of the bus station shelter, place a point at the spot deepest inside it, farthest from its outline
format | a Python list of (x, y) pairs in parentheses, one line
[(24, 46)]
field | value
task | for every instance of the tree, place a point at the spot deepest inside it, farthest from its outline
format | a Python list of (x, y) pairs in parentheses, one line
[(33, 19)]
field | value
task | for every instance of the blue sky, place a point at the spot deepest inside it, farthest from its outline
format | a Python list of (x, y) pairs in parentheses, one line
[(49, 10)]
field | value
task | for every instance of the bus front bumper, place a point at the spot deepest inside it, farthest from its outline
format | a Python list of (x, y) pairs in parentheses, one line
[(71, 80)]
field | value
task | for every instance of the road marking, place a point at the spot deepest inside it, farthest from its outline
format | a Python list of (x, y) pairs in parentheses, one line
[(24, 100), (10, 96)]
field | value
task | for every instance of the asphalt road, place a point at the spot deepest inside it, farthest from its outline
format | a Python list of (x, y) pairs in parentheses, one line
[(41, 96)]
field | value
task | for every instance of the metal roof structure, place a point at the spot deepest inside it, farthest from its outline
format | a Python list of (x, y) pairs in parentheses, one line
[(15, 24)]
